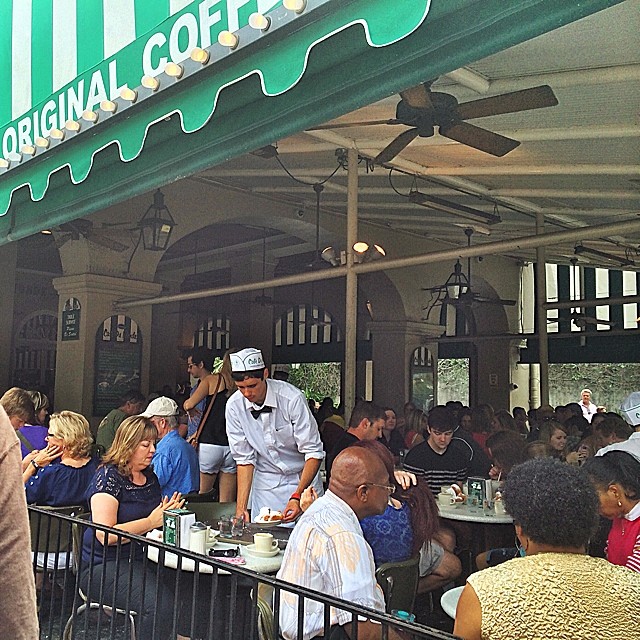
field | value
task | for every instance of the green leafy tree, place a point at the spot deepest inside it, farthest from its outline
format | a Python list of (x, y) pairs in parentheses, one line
[(317, 380)]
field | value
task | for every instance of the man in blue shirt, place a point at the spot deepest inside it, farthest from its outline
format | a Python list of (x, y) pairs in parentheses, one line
[(175, 461)]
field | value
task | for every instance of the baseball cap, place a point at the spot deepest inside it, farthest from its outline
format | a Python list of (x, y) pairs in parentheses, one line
[(246, 360), (161, 406)]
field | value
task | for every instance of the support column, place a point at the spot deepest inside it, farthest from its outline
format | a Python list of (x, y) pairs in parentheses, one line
[(393, 345), (76, 358), (351, 296), (8, 255), (541, 313)]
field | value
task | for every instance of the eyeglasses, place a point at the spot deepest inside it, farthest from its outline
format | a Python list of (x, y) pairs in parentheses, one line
[(390, 488), (51, 435)]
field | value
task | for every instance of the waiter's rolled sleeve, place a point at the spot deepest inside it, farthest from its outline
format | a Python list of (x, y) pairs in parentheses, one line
[(305, 430)]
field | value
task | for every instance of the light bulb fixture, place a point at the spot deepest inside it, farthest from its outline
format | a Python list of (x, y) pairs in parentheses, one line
[(361, 247), (433, 202), (28, 150), (363, 252), (259, 21), (108, 106), (157, 224), (457, 283), (90, 116), (330, 255), (297, 6), (228, 39), (57, 134), (200, 55), (42, 143), (4, 164), (149, 82), (128, 94), (174, 70), (610, 257), (46, 232), (14, 156)]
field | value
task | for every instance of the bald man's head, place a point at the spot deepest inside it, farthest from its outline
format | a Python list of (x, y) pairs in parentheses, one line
[(359, 477)]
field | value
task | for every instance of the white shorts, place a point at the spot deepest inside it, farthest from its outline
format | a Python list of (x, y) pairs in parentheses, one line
[(214, 458)]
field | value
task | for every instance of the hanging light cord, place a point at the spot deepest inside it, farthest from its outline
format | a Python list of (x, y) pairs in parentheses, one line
[(309, 184)]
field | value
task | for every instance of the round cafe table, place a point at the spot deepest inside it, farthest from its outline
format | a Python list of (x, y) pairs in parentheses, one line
[(477, 530), (469, 513), (449, 601)]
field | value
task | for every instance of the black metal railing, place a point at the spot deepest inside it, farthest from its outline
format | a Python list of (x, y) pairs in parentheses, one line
[(150, 590)]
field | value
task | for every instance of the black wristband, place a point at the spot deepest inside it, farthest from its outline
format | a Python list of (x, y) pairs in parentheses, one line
[(35, 466)]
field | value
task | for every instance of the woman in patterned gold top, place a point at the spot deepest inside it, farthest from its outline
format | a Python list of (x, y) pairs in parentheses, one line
[(556, 590)]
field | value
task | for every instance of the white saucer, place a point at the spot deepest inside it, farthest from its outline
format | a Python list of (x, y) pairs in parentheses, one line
[(251, 548), (267, 525)]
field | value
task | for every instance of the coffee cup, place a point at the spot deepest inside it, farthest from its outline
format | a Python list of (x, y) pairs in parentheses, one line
[(446, 499), (264, 542)]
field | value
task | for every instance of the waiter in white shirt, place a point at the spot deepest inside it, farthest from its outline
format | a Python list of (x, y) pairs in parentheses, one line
[(274, 439)]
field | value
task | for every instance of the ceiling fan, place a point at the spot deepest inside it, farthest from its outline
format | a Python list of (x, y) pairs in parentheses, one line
[(84, 228), (457, 291), (423, 110), (582, 321)]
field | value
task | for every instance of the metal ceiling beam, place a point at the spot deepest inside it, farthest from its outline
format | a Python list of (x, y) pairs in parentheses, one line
[(529, 242), (568, 304), (494, 169)]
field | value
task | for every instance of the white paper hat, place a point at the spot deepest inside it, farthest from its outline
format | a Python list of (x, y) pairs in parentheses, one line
[(161, 406), (246, 360), (630, 408)]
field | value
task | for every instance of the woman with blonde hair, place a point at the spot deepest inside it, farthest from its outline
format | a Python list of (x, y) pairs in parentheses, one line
[(59, 474), (125, 494), (211, 441), (555, 434), (19, 407)]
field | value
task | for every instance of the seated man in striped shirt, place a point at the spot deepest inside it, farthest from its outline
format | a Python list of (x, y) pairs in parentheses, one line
[(442, 459)]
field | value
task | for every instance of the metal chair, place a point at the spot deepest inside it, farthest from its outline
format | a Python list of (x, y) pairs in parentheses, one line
[(51, 537), (399, 582), (78, 529)]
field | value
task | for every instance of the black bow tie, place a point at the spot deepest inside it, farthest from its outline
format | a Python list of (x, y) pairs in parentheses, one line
[(256, 412)]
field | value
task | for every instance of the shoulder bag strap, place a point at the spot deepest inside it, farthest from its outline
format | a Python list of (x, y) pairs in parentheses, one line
[(203, 420), (28, 446)]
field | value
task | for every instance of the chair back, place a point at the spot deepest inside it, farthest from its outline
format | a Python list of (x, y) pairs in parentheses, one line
[(50, 534), (399, 582), (211, 511)]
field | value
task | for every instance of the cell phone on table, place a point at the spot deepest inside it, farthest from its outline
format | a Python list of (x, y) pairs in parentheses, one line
[(224, 553)]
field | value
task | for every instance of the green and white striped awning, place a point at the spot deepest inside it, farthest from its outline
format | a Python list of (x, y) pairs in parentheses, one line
[(87, 86)]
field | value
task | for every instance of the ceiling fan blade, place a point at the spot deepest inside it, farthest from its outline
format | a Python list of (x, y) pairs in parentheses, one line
[(498, 301), (417, 97), (397, 145), (365, 123), (534, 98), (481, 139)]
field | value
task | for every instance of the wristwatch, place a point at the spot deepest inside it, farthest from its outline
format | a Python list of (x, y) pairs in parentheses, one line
[(35, 466)]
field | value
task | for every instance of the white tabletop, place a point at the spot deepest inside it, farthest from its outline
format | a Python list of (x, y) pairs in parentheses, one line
[(260, 565), (449, 601), (469, 513)]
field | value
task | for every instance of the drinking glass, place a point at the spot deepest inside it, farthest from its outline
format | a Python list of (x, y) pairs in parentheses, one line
[(224, 525), (237, 526)]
